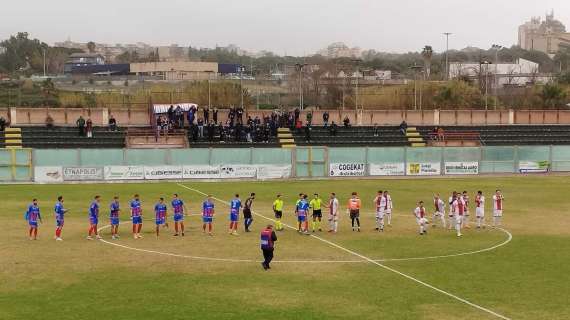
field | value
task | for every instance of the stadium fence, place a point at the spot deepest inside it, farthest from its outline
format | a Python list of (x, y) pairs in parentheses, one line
[(59, 165)]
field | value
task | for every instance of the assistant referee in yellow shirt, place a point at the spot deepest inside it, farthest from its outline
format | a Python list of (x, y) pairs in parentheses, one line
[(316, 204), (278, 210)]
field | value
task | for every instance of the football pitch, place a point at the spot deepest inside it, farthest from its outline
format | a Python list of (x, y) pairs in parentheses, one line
[(518, 272)]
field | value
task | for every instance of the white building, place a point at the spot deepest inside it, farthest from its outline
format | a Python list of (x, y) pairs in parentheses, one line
[(340, 50), (520, 73)]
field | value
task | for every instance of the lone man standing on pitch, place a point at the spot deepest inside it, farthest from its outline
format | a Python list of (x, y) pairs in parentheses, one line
[(268, 238)]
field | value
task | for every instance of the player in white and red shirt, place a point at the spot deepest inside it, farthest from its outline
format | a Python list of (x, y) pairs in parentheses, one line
[(386, 205), (421, 219), (452, 210), (497, 208), (480, 209), (459, 205), (439, 210), (466, 212), (378, 202)]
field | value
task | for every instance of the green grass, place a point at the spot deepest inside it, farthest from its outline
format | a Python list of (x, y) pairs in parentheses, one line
[(77, 279)]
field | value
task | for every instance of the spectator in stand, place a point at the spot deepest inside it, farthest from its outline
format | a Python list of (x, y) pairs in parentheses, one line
[(440, 134), (376, 130), (211, 131), (239, 113), (158, 126), (194, 132), (346, 122), (309, 118), (165, 125), (403, 127), (297, 112), (81, 126), (326, 119), (298, 125), (232, 116), (89, 128), (3, 124), (112, 123), (179, 115), (238, 132), (215, 115), (191, 115), (308, 132), (333, 129), (291, 120), (206, 114), (222, 132), (49, 122), (266, 133), (200, 128), (170, 113)]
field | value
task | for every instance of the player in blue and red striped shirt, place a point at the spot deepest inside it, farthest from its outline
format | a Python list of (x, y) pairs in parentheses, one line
[(208, 214), (115, 210), (160, 212), (33, 216), (136, 216), (94, 218), (179, 210), (59, 211), (235, 205)]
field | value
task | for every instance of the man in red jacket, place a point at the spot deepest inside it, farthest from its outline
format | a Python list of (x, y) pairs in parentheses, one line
[(268, 238)]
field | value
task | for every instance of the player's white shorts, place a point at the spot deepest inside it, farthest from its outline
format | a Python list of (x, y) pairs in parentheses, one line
[(480, 212), (438, 214), (387, 211), (421, 221), (333, 217), (458, 218), (498, 213), (380, 214)]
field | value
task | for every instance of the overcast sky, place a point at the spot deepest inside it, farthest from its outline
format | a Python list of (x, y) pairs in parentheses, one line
[(296, 27)]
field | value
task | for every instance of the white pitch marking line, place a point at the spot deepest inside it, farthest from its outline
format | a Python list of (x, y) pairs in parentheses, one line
[(374, 262)]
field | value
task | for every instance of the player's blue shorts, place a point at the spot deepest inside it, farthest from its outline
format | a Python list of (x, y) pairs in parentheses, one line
[(115, 221), (58, 223), (301, 218), (207, 219), (178, 217), (93, 220), (137, 220), (33, 224), (160, 221), (234, 217)]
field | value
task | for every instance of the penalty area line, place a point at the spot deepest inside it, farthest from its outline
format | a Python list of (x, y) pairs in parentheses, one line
[(332, 244)]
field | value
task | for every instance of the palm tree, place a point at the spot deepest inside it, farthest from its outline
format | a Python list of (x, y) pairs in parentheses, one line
[(552, 95), (427, 54)]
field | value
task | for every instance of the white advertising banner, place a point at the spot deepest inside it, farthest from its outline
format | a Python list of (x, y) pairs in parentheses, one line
[(163, 172), (124, 173), (534, 166), (82, 173), (201, 172), (423, 169), (462, 167), (273, 172), (388, 169), (48, 174), (238, 171), (347, 169)]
